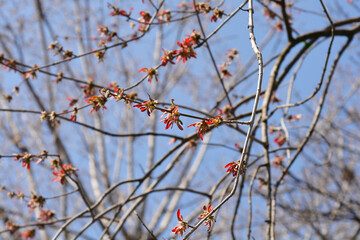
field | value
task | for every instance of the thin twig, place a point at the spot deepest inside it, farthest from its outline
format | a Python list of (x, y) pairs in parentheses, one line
[(142, 222)]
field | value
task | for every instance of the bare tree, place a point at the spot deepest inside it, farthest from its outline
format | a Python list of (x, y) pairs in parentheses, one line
[(100, 102)]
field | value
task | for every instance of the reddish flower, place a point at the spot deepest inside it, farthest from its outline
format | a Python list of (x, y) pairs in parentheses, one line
[(73, 115), (278, 161), (142, 28), (11, 64), (213, 18), (293, 118), (180, 229), (47, 215), (26, 159), (100, 55), (225, 111), (280, 140), (67, 54), (149, 106), (116, 11), (269, 14), (65, 170), (88, 89), (202, 7), (103, 30), (145, 17), (195, 37), (232, 54), (187, 51), (36, 201), (234, 167), (202, 127), (72, 102), (216, 14), (11, 195), (114, 86), (279, 27), (32, 73), (106, 34), (59, 77), (150, 73), (225, 71), (56, 48), (262, 182), (120, 93), (209, 219), (8, 97), (97, 102), (11, 226), (240, 148), (166, 14), (20, 195), (168, 57), (216, 121), (183, 5), (29, 234), (173, 116)]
